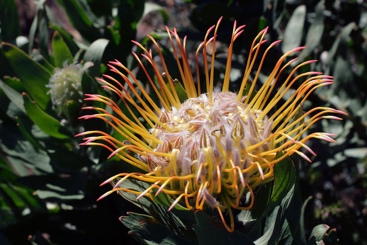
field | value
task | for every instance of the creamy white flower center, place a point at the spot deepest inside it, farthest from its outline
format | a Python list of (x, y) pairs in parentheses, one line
[(224, 127)]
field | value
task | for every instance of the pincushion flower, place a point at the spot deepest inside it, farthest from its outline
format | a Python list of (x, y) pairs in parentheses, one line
[(207, 149), (66, 85)]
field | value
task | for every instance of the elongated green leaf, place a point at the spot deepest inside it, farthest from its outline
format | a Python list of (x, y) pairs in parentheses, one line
[(180, 90), (55, 193), (68, 39), (271, 222), (282, 222), (95, 54), (57, 188), (27, 196), (22, 156), (294, 30), (166, 201), (314, 34), (34, 26), (14, 96), (39, 27), (45, 122), (43, 34), (25, 131), (284, 179), (178, 222), (333, 53), (33, 76), (15, 84), (147, 230), (61, 51), (6, 172), (14, 196)]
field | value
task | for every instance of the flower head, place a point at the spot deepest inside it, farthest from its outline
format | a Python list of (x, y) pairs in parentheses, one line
[(206, 148), (66, 85)]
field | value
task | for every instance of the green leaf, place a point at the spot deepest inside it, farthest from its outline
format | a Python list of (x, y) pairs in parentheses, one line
[(263, 23), (95, 54), (20, 154), (314, 34), (246, 91), (150, 7), (27, 196), (360, 152), (33, 76), (14, 95), (342, 75), (39, 26), (67, 38), (6, 172), (13, 195), (270, 226), (166, 201), (147, 230), (343, 37), (178, 222), (25, 131), (181, 92), (45, 122), (319, 231), (43, 35), (294, 29), (61, 51), (7, 106), (59, 189), (282, 222), (284, 179)]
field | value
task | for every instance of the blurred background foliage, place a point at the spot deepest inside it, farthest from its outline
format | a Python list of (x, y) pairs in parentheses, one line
[(49, 184)]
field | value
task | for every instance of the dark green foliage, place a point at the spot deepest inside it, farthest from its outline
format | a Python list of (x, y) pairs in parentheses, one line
[(44, 173), (48, 181)]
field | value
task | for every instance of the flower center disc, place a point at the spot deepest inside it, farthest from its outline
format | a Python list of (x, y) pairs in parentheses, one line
[(207, 137)]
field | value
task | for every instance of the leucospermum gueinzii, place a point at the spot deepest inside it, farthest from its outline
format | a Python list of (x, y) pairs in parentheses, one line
[(66, 85), (214, 148)]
